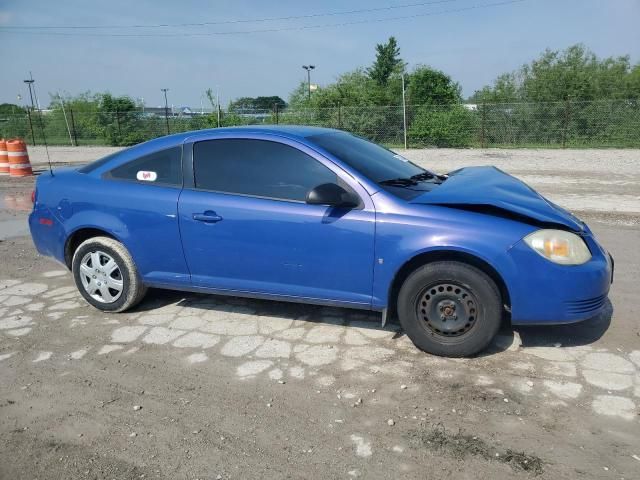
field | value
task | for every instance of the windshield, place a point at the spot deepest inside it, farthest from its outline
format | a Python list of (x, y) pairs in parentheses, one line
[(373, 161), (391, 171)]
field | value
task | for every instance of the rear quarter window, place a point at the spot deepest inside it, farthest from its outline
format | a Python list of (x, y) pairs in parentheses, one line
[(163, 168), (90, 167)]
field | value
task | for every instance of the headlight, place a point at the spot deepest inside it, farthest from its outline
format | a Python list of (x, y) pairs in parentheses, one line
[(561, 247)]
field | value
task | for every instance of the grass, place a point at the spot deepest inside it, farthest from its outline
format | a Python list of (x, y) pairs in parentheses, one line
[(459, 445)]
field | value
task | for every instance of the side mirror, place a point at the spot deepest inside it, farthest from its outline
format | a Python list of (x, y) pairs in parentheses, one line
[(332, 195)]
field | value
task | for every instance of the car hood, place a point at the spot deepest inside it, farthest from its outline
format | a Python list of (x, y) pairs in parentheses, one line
[(477, 187)]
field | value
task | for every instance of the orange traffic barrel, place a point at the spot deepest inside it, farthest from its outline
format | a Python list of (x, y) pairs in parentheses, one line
[(19, 165), (4, 159)]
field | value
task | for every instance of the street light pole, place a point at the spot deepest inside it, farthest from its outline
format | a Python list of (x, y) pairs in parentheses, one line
[(166, 108), (308, 68)]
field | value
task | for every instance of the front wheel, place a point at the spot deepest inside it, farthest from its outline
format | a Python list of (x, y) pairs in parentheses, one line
[(450, 309), (106, 276)]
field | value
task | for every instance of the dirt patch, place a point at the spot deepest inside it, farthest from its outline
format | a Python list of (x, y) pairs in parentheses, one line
[(461, 445)]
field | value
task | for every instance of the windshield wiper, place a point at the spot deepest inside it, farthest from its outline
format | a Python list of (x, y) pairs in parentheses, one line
[(399, 182), (429, 176), (423, 176), (413, 180)]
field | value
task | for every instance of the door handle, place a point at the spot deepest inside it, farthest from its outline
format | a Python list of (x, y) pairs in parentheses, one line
[(208, 217)]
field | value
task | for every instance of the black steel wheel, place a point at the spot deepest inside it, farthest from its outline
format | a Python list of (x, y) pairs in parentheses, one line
[(450, 308)]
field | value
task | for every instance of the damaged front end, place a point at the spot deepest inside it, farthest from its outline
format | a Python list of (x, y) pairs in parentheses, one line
[(491, 191)]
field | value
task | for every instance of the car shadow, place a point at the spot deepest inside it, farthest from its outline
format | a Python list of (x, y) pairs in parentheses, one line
[(158, 298), (562, 335), (568, 335)]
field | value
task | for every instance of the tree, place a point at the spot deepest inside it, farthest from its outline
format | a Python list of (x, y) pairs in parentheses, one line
[(568, 97), (10, 109), (387, 62), (575, 74), (257, 103), (428, 86), (13, 121), (86, 118), (505, 89), (452, 127)]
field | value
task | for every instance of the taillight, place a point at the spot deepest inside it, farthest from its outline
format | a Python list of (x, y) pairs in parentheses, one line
[(33, 196)]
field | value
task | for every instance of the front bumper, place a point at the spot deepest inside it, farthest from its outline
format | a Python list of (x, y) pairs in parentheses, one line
[(543, 292)]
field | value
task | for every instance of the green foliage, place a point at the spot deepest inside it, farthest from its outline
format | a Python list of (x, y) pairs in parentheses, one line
[(10, 109), (574, 74), (119, 120), (256, 103), (387, 62), (565, 98), (448, 126), (427, 86), (14, 122), (212, 100)]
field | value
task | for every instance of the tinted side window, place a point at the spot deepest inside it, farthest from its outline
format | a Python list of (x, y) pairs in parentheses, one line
[(257, 167), (163, 167)]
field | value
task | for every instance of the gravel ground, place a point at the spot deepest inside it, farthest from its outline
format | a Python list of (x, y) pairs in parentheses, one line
[(192, 386)]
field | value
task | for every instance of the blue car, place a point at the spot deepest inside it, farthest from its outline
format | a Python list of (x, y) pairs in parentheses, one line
[(321, 216)]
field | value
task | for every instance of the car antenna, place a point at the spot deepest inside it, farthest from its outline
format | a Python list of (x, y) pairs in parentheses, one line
[(32, 93)]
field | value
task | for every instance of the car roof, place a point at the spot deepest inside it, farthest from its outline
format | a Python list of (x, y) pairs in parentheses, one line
[(291, 131), (296, 132)]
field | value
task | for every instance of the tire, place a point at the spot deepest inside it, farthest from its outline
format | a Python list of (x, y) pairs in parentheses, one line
[(89, 273), (460, 319)]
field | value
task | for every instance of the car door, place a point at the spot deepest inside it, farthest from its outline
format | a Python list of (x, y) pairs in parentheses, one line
[(138, 202), (246, 227)]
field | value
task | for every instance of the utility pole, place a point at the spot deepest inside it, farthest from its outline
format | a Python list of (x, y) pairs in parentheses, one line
[(33, 107), (64, 113), (32, 93), (404, 112), (218, 103), (308, 68), (166, 108)]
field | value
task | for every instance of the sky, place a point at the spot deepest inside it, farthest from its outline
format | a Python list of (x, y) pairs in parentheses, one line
[(471, 40)]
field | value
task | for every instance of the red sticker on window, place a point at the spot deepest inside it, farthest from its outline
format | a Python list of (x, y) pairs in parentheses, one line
[(146, 176)]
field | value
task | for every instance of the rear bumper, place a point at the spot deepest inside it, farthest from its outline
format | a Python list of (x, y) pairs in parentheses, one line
[(47, 233), (546, 293)]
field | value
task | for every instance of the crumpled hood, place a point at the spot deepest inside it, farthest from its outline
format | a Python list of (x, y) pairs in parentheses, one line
[(490, 186)]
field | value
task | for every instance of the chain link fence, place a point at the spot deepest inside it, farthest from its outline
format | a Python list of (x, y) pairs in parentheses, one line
[(547, 125)]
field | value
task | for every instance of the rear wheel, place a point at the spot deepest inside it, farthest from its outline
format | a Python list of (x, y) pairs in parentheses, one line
[(106, 276), (450, 309)]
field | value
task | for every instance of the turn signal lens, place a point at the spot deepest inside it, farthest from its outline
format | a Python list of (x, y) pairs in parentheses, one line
[(561, 247)]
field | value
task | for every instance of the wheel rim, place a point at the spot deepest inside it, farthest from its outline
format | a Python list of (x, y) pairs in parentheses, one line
[(101, 277), (447, 309)]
